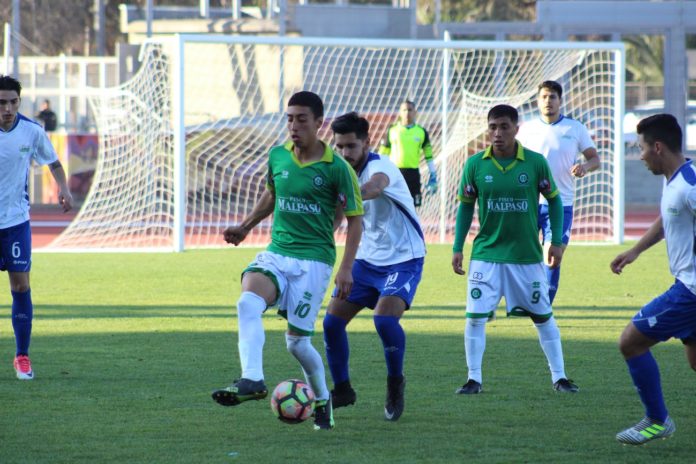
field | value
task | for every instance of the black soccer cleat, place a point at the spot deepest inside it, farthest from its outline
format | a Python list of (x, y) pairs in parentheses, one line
[(323, 415), (394, 406), (343, 395), (471, 387), (566, 386), (241, 390)]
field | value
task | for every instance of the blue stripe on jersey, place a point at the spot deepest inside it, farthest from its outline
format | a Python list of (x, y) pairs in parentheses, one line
[(413, 222), (374, 157), (687, 173), (26, 186), (560, 118), (370, 157), (24, 118)]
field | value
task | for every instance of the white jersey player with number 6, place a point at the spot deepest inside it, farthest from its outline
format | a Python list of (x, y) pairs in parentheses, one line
[(21, 142)]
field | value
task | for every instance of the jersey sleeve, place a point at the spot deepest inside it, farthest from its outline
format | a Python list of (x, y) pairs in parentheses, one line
[(690, 200), (584, 139), (468, 192), (546, 185), (427, 146), (348, 189), (44, 152), (270, 182)]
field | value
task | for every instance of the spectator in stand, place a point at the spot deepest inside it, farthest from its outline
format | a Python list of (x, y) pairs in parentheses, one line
[(47, 117)]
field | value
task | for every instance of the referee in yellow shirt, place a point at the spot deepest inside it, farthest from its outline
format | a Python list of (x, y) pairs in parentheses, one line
[(404, 142)]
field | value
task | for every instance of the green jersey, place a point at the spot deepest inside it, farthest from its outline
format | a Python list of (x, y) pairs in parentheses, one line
[(403, 145), (306, 198), (508, 204)]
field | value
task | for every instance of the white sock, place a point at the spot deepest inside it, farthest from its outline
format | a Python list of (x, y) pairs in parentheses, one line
[(312, 365), (250, 307), (550, 340), (474, 346)]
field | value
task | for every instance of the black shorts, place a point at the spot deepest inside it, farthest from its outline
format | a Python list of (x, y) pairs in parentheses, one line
[(413, 181)]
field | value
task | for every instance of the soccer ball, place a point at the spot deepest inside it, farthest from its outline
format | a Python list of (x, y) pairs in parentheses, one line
[(292, 401)]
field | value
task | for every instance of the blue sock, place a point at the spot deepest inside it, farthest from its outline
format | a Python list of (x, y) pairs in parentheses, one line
[(553, 276), (646, 377), (394, 342), (337, 349), (22, 314)]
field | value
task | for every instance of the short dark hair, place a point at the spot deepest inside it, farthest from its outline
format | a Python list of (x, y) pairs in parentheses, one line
[(10, 83), (309, 99), (553, 86), (351, 123), (408, 102), (661, 128), (500, 111)]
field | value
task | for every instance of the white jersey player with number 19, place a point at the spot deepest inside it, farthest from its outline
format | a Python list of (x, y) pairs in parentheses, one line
[(387, 268)]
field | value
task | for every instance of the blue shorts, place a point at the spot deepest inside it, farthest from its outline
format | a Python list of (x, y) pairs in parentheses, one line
[(371, 282), (15, 248), (672, 314), (545, 224)]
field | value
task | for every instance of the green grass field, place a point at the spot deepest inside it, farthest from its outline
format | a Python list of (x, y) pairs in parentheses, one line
[(127, 348)]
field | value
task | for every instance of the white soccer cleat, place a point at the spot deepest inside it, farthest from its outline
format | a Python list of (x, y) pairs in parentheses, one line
[(22, 366), (646, 430)]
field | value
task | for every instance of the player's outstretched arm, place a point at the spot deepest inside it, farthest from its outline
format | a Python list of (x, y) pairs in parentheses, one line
[(344, 275), (65, 198), (236, 234), (374, 187), (654, 234)]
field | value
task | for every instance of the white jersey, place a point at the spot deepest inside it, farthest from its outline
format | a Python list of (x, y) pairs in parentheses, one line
[(678, 211), (26, 141), (560, 143), (391, 229)]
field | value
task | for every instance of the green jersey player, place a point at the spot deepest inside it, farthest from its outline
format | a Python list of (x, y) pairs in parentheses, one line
[(307, 184), (505, 180)]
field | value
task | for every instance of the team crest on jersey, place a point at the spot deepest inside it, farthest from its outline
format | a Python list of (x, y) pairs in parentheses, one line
[(544, 186), (24, 148), (523, 178), (342, 200), (475, 293), (672, 211), (488, 179), (470, 191), (284, 175), (318, 181)]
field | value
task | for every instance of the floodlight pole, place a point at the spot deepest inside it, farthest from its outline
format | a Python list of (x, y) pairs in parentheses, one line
[(16, 27)]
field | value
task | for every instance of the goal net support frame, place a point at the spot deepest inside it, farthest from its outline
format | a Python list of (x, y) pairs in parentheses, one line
[(173, 170)]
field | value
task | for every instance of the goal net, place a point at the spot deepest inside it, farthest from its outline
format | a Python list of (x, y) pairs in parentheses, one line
[(183, 145)]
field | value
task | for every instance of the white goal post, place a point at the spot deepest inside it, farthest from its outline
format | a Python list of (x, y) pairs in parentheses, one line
[(182, 150)]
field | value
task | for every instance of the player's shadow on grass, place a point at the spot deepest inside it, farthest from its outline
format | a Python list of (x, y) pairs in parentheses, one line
[(421, 312)]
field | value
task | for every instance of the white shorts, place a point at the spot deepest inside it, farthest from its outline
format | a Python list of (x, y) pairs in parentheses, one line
[(301, 286), (524, 287)]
